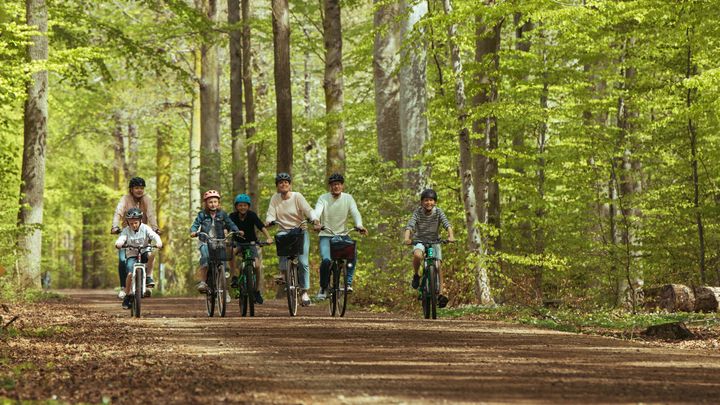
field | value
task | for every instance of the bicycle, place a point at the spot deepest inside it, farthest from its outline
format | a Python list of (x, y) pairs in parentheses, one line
[(342, 253), (430, 282), (216, 292), (291, 245), (138, 279), (247, 280)]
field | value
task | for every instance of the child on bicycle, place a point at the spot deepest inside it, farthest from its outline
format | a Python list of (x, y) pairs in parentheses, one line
[(247, 220), (425, 225), (134, 237), (214, 222)]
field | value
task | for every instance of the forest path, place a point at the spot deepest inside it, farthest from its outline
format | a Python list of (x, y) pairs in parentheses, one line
[(361, 358)]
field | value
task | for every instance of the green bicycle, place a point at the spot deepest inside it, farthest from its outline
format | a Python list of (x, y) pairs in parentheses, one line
[(247, 280), (429, 290)]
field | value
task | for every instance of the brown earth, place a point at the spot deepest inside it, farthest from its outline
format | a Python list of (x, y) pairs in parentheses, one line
[(87, 349)]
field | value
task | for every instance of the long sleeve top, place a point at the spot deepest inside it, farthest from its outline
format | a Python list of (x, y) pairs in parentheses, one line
[(426, 225), (289, 213), (213, 225), (333, 212), (145, 205), (134, 240)]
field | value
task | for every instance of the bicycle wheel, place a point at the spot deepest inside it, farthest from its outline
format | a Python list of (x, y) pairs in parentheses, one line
[(244, 291), (342, 290), (291, 283), (432, 272), (138, 281), (425, 293), (334, 288), (220, 290), (252, 288), (210, 293)]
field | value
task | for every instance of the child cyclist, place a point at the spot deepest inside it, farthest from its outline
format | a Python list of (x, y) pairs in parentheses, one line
[(134, 237), (247, 221), (214, 222), (425, 225)]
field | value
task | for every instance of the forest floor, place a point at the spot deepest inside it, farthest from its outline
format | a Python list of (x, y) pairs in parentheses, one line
[(87, 349)]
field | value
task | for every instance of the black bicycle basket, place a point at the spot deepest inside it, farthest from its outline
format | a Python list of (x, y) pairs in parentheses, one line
[(217, 250), (342, 249), (290, 244)]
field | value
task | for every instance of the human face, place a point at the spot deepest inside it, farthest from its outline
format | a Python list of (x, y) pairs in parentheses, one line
[(336, 188), (242, 208), (283, 186), (427, 203), (212, 203), (137, 191), (134, 224)]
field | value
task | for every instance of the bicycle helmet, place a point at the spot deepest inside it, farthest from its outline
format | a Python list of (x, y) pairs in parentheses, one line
[(134, 213), (429, 193), (242, 198), (137, 182), (211, 193), (336, 177), (283, 176)]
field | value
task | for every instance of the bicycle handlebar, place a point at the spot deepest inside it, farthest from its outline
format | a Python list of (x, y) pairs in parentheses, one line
[(344, 233), (246, 244), (431, 242), (204, 234)]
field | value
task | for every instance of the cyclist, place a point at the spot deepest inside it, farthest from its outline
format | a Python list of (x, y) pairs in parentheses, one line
[(247, 221), (214, 222), (332, 210), (134, 236), (425, 224), (135, 198), (287, 209)]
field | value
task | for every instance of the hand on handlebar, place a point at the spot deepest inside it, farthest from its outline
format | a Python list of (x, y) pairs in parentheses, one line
[(363, 231), (115, 230), (193, 234), (408, 242)]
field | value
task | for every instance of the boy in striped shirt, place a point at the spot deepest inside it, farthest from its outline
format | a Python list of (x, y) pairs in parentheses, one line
[(425, 225)]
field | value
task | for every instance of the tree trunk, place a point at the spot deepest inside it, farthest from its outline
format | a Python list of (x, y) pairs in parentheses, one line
[(236, 99), (472, 222), (30, 217), (195, 131), (413, 94), (252, 159), (162, 206), (209, 108), (386, 59), (133, 151), (86, 248), (283, 94), (707, 299), (333, 85), (120, 169), (671, 298)]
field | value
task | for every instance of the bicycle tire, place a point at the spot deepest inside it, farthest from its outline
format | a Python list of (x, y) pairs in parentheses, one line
[(432, 272), (342, 290), (220, 290), (210, 293), (244, 291), (334, 286), (137, 299), (425, 296), (291, 286), (252, 287)]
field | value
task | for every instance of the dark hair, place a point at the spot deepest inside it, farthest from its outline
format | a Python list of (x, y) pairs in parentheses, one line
[(137, 182)]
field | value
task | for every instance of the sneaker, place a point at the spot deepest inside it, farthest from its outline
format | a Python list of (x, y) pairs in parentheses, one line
[(349, 289), (228, 298), (147, 293), (258, 298), (121, 294), (149, 282), (416, 281), (321, 295), (202, 287), (234, 282), (279, 280), (305, 299), (442, 301), (126, 302)]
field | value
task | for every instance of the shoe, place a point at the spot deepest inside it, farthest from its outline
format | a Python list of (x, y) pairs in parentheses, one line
[(442, 301), (149, 282), (349, 289), (305, 299), (126, 302), (234, 282), (321, 295), (279, 280), (416, 281), (121, 294), (202, 287), (258, 298), (228, 298), (147, 293)]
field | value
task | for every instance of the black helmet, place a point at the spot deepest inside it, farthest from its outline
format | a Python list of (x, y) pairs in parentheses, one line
[(137, 182), (282, 176), (134, 213), (336, 177), (429, 193)]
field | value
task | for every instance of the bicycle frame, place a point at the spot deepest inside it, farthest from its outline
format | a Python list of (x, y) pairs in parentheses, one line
[(338, 278), (291, 278), (430, 282), (216, 274), (138, 278), (247, 281)]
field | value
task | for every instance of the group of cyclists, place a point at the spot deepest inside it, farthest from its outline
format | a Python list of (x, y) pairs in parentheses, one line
[(288, 210)]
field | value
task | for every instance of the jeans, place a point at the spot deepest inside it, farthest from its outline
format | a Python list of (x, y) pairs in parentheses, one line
[(130, 262), (303, 272), (122, 270), (326, 261)]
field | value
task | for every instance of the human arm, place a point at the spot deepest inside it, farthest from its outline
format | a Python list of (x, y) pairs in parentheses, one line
[(451, 236), (155, 237), (268, 238), (406, 237), (271, 214), (150, 213), (120, 242), (118, 216), (319, 208), (196, 225), (357, 218)]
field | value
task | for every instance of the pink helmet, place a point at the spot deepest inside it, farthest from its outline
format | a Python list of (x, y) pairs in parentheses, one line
[(211, 193)]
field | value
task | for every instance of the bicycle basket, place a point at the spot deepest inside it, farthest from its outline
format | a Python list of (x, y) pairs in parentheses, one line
[(342, 249), (290, 244), (217, 250)]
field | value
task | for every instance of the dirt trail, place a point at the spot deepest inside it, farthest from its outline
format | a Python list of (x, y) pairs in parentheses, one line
[(362, 358)]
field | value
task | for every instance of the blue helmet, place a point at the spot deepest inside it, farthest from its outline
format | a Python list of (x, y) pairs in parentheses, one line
[(242, 198)]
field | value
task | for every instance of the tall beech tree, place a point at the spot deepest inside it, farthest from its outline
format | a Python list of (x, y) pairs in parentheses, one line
[(333, 86), (283, 88)]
